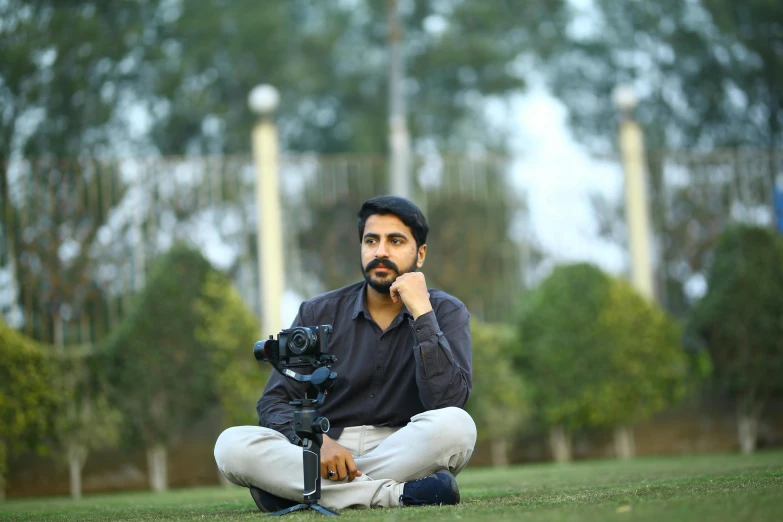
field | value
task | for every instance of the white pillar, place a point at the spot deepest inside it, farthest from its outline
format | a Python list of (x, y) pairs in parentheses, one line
[(263, 100), (637, 212), (399, 139)]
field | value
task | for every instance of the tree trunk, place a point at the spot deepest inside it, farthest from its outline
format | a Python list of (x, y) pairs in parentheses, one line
[(157, 468), (748, 429), (77, 457), (499, 451), (560, 442), (2, 487), (75, 472), (624, 445)]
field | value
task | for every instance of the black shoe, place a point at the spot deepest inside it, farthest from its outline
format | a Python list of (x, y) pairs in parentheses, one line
[(434, 490), (268, 502)]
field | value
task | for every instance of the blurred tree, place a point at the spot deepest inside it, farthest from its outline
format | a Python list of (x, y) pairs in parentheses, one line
[(706, 75), (648, 369), (705, 71), (228, 330), (67, 71), (499, 401), (52, 219), (85, 421), (161, 373), (329, 61), (27, 399), (741, 320), (86, 77), (752, 35), (599, 355), (561, 352)]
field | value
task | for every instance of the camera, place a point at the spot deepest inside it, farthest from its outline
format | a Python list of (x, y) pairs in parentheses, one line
[(298, 347)]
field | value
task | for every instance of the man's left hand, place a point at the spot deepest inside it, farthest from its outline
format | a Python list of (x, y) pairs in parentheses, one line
[(411, 289)]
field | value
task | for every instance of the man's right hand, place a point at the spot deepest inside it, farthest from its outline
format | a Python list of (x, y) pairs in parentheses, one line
[(338, 459)]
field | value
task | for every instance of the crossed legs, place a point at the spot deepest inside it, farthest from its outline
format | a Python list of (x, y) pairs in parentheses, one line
[(431, 441)]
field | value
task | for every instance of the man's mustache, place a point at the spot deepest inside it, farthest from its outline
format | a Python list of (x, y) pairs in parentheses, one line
[(375, 263)]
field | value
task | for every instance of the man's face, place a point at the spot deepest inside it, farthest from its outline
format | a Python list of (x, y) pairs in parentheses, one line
[(388, 251)]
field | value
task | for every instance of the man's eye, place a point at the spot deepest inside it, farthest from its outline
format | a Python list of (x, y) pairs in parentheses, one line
[(397, 241)]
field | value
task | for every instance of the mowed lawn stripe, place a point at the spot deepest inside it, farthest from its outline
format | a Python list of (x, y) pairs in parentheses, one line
[(664, 489)]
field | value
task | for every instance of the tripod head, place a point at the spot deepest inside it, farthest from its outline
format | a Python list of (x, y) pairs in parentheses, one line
[(301, 347), (321, 379)]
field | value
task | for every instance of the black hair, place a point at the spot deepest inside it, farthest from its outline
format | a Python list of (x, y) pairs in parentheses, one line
[(400, 207)]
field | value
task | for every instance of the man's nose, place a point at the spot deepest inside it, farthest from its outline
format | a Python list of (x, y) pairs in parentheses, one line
[(381, 250)]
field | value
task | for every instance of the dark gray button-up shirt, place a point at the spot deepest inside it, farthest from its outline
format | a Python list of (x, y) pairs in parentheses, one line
[(384, 377)]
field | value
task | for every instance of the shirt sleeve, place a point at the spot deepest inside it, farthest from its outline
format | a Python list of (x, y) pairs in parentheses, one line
[(274, 410), (443, 354)]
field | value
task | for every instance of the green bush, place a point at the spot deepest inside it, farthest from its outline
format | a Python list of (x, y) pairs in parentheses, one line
[(740, 320), (598, 355), (648, 369), (27, 400), (85, 419), (562, 350), (161, 372), (228, 330), (499, 402)]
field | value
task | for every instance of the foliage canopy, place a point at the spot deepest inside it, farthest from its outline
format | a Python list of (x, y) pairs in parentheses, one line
[(161, 372), (28, 403), (740, 318), (597, 353)]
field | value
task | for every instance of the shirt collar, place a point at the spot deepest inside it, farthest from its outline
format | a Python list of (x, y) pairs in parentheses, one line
[(361, 305)]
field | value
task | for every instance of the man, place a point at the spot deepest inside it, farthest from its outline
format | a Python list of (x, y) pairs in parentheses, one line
[(399, 433)]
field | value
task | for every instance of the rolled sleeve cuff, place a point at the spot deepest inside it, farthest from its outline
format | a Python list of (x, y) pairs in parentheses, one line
[(427, 332), (425, 326)]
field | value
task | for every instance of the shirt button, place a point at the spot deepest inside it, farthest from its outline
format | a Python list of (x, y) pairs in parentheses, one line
[(378, 368), (372, 395)]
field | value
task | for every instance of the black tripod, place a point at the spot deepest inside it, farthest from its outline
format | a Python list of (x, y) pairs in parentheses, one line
[(310, 426)]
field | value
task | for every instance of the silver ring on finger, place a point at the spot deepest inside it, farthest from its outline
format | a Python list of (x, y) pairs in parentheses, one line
[(331, 473)]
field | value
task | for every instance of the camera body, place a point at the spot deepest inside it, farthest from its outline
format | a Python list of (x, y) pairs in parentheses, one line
[(298, 347)]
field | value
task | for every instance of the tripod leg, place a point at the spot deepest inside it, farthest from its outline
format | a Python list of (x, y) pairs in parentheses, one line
[(324, 511), (301, 507), (298, 507)]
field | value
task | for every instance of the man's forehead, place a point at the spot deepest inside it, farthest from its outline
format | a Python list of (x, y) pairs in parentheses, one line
[(385, 224)]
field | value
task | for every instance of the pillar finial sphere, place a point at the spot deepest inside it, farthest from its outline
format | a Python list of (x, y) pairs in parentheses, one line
[(263, 99), (625, 98)]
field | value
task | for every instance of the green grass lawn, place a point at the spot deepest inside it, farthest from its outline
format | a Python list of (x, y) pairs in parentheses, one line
[(662, 489)]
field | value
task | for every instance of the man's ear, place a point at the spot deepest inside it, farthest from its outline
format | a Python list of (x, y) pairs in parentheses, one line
[(421, 255)]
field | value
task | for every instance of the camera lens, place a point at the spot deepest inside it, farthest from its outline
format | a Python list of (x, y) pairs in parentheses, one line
[(302, 341)]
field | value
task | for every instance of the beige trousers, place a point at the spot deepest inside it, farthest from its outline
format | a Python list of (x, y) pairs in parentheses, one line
[(387, 457)]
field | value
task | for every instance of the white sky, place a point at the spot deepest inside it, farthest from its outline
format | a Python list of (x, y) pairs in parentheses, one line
[(559, 175)]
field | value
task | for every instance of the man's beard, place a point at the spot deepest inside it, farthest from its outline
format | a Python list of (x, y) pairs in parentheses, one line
[(384, 288)]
